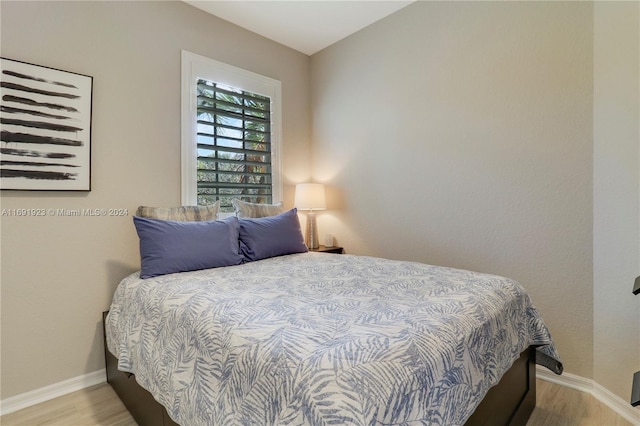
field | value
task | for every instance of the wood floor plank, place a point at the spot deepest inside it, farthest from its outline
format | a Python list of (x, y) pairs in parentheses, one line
[(99, 406), (562, 406), (94, 406)]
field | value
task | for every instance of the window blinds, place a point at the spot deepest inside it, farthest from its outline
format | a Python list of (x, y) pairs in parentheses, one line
[(234, 145)]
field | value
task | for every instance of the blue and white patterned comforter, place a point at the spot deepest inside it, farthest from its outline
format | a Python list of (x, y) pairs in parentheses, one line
[(323, 339)]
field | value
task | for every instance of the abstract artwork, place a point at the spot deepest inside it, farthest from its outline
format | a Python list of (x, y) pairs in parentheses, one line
[(45, 141)]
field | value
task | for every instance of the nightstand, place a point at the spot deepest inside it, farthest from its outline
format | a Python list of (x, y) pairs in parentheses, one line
[(323, 249)]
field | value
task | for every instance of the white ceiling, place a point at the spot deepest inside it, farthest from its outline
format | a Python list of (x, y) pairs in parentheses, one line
[(304, 25)]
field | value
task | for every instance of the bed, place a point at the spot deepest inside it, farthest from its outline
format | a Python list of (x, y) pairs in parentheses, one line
[(233, 321), (312, 338)]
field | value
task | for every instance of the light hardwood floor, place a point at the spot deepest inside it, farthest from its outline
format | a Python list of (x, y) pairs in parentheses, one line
[(562, 406), (98, 405)]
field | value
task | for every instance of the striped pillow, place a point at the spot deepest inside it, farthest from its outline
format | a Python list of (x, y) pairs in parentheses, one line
[(254, 210), (181, 214)]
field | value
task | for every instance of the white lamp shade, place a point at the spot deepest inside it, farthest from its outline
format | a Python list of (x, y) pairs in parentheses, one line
[(310, 196)]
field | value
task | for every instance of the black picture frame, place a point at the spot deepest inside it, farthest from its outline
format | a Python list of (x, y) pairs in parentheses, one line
[(45, 141)]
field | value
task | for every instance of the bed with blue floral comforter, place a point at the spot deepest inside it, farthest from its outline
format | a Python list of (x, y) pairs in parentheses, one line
[(323, 339)]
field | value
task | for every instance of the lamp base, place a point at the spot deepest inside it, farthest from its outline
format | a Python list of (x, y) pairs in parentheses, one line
[(311, 236)]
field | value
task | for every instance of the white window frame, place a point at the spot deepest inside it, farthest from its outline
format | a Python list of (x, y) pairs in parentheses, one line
[(196, 67)]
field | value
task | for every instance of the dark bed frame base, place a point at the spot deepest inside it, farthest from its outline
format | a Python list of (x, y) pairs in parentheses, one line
[(510, 402), (143, 407), (513, 399)]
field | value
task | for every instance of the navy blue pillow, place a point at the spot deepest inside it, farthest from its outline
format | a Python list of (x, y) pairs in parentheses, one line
[(168, 246), (271, 236)]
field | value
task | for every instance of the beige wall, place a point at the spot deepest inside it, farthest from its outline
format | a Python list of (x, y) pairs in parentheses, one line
[(59, 273), (461, 134), (616, 143)]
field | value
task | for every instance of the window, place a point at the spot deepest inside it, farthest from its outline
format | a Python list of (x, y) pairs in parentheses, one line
[(233, 145), (230, 134)]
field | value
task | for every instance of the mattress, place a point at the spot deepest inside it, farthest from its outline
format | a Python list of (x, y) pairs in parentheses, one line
[(314, 339)]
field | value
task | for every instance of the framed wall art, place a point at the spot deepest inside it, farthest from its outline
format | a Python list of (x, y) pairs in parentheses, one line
[(45, 141)]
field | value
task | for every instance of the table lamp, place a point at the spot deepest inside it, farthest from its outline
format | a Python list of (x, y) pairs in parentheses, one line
[(310, 196)]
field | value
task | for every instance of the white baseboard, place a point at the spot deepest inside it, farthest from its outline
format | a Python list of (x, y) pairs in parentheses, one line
[(611, 400), (55, 390)]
